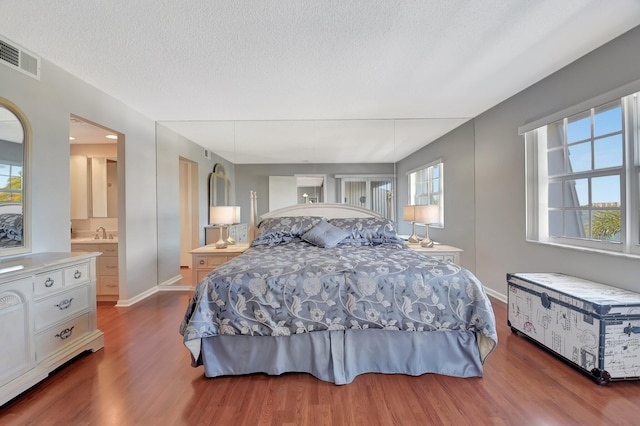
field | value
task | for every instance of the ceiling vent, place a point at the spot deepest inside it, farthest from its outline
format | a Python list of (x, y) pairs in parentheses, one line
[(19, 59)]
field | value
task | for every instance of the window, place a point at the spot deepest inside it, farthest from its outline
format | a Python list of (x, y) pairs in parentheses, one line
[(582, 179), (10, 183), (425, 187)]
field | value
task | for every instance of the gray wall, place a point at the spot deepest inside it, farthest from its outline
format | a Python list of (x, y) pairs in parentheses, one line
[(499, 180), (255, 177), (456, 149), (171, 147), (48, 104)]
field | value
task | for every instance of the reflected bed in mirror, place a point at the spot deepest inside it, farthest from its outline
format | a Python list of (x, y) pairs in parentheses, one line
[(14, 138)]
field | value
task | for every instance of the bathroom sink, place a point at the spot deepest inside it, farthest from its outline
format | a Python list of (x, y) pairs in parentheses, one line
[(92, 240)]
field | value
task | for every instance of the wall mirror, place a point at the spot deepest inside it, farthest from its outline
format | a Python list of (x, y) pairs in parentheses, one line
[(219, 185), (299, 189), (311, 189), (14, 148)]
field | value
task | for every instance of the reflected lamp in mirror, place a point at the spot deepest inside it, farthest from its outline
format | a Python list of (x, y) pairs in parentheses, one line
[(409, 214), (236, 219), (221, 216), (427, 214)]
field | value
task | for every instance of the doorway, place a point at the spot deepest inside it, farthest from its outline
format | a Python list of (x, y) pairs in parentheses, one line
[(189, 218), (96, 194)]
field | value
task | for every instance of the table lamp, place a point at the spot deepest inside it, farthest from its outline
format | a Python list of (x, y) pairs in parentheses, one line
[(427, 214)]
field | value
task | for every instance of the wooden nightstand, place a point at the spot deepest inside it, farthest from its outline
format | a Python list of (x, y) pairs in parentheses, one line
[(208, 257), (440, 251)]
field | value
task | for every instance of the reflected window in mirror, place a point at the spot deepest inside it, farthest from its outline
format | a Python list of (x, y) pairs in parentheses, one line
[(14, 146)]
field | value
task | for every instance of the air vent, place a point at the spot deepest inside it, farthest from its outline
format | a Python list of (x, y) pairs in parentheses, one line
[(19, 59)]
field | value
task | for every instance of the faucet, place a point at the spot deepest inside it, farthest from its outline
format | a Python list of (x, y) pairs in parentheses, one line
[(104, 232)]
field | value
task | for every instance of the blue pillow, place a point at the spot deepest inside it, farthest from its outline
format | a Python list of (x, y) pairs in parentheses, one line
[(368, 231), (325, 235), (284, 229)]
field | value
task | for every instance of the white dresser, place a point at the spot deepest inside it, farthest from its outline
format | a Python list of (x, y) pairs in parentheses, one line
[(47, 316)]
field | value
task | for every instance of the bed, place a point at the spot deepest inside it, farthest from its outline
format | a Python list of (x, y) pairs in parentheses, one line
[(10, 225), (331, 290)]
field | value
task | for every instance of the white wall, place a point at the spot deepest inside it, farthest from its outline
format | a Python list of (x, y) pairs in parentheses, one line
[(48, 104), (171, 147)]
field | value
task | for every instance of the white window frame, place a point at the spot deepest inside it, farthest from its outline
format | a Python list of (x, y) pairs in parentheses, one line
[(537, 180), (12, 175), (428, 171)]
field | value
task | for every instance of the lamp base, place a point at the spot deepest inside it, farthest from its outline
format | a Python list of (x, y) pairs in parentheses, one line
[(426, 243), (413, 238)]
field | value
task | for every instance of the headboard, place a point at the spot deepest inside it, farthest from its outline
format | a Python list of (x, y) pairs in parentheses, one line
[(327, 210)]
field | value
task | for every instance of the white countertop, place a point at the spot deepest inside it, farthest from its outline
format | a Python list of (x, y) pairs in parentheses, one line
[(92, 240)]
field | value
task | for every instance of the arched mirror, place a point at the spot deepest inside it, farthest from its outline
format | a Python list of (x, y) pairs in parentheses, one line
[(219, 186), (14, 146)]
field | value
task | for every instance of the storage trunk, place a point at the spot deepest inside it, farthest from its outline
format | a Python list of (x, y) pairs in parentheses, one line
[(593, 326)]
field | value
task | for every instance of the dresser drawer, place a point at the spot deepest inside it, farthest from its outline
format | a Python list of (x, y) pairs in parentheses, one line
[(57, 337), (210, 261), (48, 282), (60, 306), (108, 266), (76, 275), (109, 286)]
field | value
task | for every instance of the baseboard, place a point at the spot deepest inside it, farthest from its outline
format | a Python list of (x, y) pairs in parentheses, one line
[(164, 286), (170, 281), (176, 288), (501, 297), (130, 302)]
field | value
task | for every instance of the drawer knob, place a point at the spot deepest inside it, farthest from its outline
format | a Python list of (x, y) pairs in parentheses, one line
[(65, 334), (48, 283), (65, 304), (77, 274), (202, 261)]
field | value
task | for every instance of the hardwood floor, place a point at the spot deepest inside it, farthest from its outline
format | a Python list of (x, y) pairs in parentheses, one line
[(143, 377)]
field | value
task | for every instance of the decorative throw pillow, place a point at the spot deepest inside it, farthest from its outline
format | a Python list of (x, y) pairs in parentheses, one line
[(325, 235), (368, 231), (284, 229)]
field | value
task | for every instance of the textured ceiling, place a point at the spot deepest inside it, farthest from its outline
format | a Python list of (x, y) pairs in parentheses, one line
[(290, 76)]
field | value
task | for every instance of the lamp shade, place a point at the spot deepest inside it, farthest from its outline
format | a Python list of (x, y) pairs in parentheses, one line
[(409, 213), (236, 214), (427, 214), (221, 215)]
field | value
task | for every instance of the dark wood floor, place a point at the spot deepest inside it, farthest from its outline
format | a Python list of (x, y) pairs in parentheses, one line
[(143, 377)]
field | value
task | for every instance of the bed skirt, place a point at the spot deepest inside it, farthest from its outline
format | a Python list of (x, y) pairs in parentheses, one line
[(339, 356)]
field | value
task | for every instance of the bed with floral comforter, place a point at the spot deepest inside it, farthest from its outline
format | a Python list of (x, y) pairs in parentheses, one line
[(335, 310)]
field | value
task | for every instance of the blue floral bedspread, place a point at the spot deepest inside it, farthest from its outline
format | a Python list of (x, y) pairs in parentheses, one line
[(283, 289)]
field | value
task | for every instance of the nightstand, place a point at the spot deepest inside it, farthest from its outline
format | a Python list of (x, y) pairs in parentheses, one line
[(439, 251), (208, 257)]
